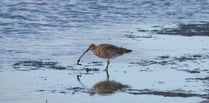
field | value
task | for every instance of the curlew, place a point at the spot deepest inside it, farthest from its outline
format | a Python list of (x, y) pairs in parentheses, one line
[(106, 51)]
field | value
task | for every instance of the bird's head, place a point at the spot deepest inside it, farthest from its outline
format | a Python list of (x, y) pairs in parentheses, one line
[(92, 46)]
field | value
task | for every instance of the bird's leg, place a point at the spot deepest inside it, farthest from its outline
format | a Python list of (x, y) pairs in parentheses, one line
[(108, 62)]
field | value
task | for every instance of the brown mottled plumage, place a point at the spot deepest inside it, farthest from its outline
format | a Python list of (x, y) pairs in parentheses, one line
[(107, 51)]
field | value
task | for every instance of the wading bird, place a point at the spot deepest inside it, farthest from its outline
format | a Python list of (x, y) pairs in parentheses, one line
[(106, 51)]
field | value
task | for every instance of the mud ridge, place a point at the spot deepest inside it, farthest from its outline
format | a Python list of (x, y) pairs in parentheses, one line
[(174, 93), (131, 36), (165, 93), (186, 30), (167, 60), (204, 78), (36, 65)]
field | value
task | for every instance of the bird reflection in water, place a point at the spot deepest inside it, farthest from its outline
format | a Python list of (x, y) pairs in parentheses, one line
[(105, 87)]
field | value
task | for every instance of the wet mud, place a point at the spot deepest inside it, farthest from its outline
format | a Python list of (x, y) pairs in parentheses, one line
[(181, 63), (36, 65), (203, 79), (105, 88), (165, 93), (132, 36), (186, 30), (108, 87), (168, 60), (30, 65)]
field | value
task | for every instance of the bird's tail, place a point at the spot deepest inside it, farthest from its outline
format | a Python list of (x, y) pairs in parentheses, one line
[(124, 50)]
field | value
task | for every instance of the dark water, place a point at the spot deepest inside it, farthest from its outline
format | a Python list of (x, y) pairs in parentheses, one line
[(36, 18), (40, 42), (32, 23)]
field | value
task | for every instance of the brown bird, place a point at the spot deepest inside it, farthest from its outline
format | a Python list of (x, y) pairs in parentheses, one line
[(106, 51)]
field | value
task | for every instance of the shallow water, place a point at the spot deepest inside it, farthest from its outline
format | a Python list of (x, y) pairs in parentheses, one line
[(40, 42)]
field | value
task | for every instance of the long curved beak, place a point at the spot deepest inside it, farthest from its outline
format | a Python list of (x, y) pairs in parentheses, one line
[(82, 56)]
